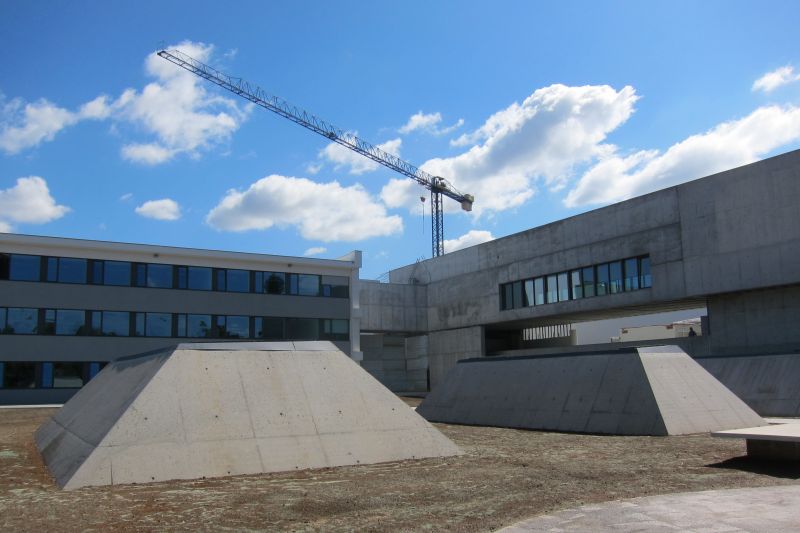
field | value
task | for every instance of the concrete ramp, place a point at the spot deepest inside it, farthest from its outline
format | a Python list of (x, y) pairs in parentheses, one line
[(210, 410), (656, 390)]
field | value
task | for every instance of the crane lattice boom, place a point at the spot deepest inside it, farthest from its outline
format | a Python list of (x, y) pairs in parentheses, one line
[(436, 184)]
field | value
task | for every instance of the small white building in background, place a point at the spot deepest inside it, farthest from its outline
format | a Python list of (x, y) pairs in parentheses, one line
[(680, 328)]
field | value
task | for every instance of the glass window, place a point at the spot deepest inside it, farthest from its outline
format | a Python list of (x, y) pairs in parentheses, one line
[(577, 286), (49, 326), (4, 258), (552, 288), (19, 375), (563, 287), (117, 273), (199, 278), (71, 270), (335, 286), (335, 329), (528, 293), (274, 282), (97, 322), (602, 279), (138, 329), (22, 321), (302, 329), (631, 274), (52, 269), (67, 375), (24, 267), (644, 272), (116, 323), (272, 329), (308, 285), (615, 282), (70, 322), (198, 325), (97, 272), (507, 296), (2, 319), (47, 375), (159, 276), (588, 282), (292, 282), (158, 325), (238, 281), (538, 291), (141, 275), (181, 277), (220, 279), (180, 326), (94, 368), (237, 327)]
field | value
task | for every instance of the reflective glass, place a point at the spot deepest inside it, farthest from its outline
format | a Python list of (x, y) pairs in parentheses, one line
[(181, 326), (117, 273), (238, 280), (552, 289), (292, 284), (335, 286), (47, 375), (71, 270), (198, 325), (507, 296), (2, 319), (138, 326), (577, 286), (644, 272), (97, 272), (528, 293), (24, 267), (308, 285), (602, 279), (159, 276), (199, 278), (631, 274), (220, 279), (21, 321), (588, 282), (272, 329), (159, 325), (302, 328), (615, 273), (274, 282), (538, 289), (237, 327), (97, 322), (181, 271), (335, 329), (517, 294), (141, 275), (116, 323), (563, 287), (67, 375), (70, 322), (19, 375), (49, 326), (4, 258), (52, 269)]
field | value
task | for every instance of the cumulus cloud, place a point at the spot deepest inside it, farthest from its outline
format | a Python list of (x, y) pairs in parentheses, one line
[(471, 238), (343, 157), (545, 137), (164, 209), (315, 250), (148, 154), (29, 201), (320, 211), (727, 145), (429, 122), (778, 77)]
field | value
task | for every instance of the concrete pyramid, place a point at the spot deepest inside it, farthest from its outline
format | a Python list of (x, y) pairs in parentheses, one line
[(208, 410), (643, 391)]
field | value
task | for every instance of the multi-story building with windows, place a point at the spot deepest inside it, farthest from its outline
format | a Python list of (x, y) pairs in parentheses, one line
[(68, 306)]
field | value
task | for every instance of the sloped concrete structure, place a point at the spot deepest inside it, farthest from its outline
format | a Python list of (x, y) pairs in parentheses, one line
[(644, 391), (209, 410)]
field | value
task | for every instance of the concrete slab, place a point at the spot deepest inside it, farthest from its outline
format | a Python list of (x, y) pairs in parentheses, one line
[(777, 441), (202, 410), (645, 391)]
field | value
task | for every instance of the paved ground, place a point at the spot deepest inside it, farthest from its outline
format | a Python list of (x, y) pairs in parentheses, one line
[(766, 509)]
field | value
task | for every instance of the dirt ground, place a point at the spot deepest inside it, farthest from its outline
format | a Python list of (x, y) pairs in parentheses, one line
[(505, 476)]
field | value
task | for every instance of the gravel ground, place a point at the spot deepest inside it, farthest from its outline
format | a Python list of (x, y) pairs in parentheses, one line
[(505, 476)]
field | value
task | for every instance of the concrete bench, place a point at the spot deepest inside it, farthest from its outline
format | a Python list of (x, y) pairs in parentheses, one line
[(776, 441)]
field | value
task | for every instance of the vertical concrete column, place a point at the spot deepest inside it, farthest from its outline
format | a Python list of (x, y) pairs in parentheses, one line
[(448, 347), (355, 309)]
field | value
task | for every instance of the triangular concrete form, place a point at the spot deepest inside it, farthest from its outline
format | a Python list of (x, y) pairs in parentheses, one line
[(210, 410), (646, 391)]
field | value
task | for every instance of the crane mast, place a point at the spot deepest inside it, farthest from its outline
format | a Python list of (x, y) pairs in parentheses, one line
[(437, 185)]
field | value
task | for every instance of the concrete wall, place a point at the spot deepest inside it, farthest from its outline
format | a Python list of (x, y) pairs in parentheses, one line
[(400, 363), (446, 348), (393, 307)]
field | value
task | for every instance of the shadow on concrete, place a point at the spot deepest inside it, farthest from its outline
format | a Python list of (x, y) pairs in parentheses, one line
[(781, 469)]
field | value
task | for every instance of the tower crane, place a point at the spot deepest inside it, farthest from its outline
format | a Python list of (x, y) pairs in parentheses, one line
[(437, 185)]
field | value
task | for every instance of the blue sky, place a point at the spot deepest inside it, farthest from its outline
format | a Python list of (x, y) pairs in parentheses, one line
[(542, 111)]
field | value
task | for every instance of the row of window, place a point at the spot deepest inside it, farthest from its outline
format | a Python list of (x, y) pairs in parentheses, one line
[(32, 321), (61, 375), (597, 280), (19, 267)]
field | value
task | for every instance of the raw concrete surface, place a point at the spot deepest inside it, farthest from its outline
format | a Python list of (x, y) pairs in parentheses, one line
[(210, 410), (645, 391), (766, 509)]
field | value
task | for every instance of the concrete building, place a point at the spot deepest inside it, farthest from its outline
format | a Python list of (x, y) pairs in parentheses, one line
[(729, 242), (679, 328), (69, 306)]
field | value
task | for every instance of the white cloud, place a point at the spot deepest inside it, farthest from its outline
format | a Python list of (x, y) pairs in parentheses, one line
[(554, 130), (727, 145), (164, 209), (772, 80), (27, 125), (29, 201), (125, 197), (148, 154), (321, 211), (341, 156), (429, 122), (313, 168), (471, 238), (315, 250)]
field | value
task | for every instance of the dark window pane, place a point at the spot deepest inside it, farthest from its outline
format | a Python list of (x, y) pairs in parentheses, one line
[(2, 319), (237, 327), (588, 282), (67, 375), (159, 325), (71, 270), (52, 269), (272, 329), (238, 280), (70, 322), (644, 272), (563, 287), (615, 273), (552, 289), (220, 279), (517, 294), (302, 329), (22, 321), (117, 273), (507, 296), (4, 258), (97, 322), (602, 279), (577, 286), (275, 282), (24, 267), (47, 376), (335, 329), (181, 274), (49, 326), (258, 282), (292, 284), (94, 368), (159, 276), (308, 285), (181, 325), (97, 272), (198, 325), (527, 295), (116, 323), (200, 278), (335, 286), (538, 289), (141, 275), (631, 274), (19, 376), (138, 329)]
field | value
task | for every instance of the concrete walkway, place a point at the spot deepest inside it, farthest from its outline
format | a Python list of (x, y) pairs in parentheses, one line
[(765, 509)]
